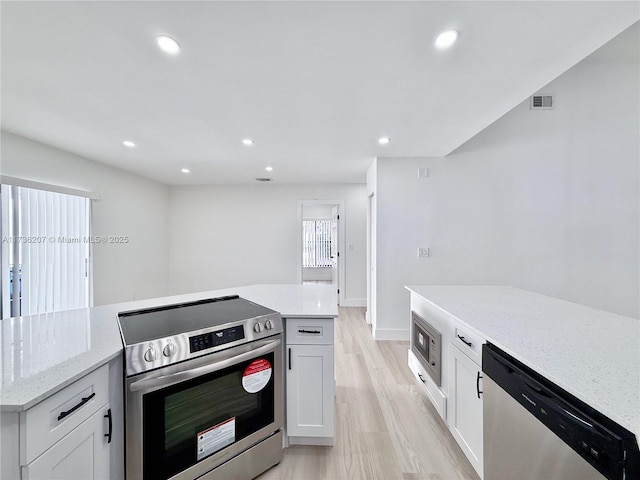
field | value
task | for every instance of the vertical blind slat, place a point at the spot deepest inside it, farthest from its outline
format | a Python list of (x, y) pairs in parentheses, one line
[(35, 253), (51, 254), (4, 257), (43, 263), (25, 252)]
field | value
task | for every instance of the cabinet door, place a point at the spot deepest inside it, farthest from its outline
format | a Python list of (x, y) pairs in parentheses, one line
[(465, 414), (310, 391), (82, 454)]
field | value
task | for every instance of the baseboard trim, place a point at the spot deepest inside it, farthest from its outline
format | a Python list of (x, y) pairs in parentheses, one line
[(391, 334), (354, 302), (318, 441)]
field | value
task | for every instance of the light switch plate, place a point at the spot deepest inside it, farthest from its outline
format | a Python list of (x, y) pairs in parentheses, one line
[(423, 252)]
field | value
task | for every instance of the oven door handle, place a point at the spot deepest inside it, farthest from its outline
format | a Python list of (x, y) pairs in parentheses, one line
[(167, 380)]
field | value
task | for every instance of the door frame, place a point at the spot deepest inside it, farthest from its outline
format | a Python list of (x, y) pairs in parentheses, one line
[(341, 242), (370, 316)]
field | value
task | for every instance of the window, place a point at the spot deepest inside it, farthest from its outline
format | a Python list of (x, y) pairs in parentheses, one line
[(45, 251), (316, 243)]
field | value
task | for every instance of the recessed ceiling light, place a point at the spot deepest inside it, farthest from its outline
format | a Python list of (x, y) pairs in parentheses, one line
[(128, 143), (247, 141), (185, 170), (384, 140), (168, 45), (269, 169), (446, 39)]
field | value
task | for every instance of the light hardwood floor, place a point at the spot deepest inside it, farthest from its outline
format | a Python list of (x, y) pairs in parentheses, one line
[(386, 429)]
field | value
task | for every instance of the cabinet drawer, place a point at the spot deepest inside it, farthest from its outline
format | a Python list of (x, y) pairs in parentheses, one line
[(309, 331), (47, 422), (469, 343), (434, 393), (83, 454)]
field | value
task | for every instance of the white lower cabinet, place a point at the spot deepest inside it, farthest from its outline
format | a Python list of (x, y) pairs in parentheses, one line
[(465, 407), (66, 436), (80, 455), (310, 384)]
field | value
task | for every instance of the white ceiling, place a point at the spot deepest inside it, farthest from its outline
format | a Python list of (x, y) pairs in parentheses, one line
[(315, 84)]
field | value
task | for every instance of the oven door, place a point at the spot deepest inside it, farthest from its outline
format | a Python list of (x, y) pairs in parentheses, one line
[(185, 419)]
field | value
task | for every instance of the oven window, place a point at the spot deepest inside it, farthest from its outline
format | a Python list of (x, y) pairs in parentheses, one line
[(188, 422)]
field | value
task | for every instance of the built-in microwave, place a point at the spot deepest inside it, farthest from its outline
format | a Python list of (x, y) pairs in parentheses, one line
[(426, 344)]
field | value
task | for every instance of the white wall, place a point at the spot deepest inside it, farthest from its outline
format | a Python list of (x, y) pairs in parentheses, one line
[(129, 205), (546, 201), (317, 212), (317, 273), (224, 236)]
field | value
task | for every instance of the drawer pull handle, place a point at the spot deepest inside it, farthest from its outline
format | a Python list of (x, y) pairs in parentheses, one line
[(478, 377), (289, 359), (73, 409), (314, 332), (468, 344), (421, 377), (108, 435)]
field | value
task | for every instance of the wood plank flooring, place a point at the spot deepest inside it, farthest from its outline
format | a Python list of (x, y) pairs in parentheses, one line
[(386, 429)]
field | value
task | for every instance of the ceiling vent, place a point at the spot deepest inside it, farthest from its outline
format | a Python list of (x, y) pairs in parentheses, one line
[(264, 179), (541, 102)]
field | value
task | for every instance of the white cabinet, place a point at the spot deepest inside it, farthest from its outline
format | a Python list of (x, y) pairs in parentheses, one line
[(65, 436), (82, 454), (457, 399), (428, 386), (465, 406), (310, 384)]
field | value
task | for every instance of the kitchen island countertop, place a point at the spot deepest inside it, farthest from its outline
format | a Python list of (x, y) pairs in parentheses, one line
[(41, 354), (592, 354)]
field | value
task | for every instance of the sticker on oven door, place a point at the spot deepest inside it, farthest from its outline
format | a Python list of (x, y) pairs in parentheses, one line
[(215, 438), (256, 375)]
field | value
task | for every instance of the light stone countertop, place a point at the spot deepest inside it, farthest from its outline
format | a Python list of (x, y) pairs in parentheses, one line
[(592, 354), (41, 354)]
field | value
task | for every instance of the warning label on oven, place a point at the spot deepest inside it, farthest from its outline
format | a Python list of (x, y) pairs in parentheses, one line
[(256, 375), (213, 439)]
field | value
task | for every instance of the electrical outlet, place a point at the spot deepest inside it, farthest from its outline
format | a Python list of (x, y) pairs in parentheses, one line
[(423, 252), (423, 172)]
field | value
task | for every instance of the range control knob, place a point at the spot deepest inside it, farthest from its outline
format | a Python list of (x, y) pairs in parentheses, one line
[(151, 354), (268, 324), (169, 349), (257, 327)]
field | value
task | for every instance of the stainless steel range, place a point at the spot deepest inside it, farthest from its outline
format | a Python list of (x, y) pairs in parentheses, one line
[(203, 390)]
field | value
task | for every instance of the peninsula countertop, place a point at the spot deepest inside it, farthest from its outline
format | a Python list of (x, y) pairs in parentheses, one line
[(592, 354), (42, 354)]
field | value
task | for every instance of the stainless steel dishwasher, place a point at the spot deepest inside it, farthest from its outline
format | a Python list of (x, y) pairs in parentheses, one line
[(535, 430)]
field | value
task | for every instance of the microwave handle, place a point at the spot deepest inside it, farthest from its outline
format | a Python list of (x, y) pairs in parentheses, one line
[(167, 380)]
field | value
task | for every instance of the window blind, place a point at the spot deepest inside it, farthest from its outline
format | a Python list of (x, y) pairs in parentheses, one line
[(316, 243), (45, 251)]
